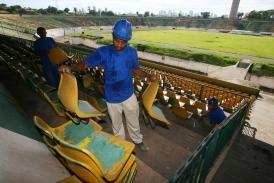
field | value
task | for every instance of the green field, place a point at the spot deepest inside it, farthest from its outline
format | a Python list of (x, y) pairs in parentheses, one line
[(176, 42), (259, 46), (243, 44)]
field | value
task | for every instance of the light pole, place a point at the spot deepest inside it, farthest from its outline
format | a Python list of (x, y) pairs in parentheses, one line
[(234, 9)]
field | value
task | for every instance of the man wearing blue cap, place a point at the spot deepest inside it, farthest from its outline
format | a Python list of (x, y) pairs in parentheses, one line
[(120, 62), (42, 46), (216, 114)]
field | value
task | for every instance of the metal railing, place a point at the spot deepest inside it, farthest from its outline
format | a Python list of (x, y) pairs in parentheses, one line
[(196, 167)]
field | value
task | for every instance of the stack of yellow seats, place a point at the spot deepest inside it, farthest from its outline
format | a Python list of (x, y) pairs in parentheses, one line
[(92, 155)]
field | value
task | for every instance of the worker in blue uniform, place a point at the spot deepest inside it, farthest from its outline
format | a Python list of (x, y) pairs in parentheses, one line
[(216, 114), (42, 47), (120, 63)]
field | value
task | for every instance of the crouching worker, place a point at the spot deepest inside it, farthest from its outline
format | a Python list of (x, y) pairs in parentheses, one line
[(216, 114), (120, 63)]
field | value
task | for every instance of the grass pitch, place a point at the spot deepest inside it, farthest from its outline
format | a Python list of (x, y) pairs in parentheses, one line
[(260, 46)]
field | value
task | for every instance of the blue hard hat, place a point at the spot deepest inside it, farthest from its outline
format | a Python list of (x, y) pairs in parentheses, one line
[(212, 101), (122, 30)]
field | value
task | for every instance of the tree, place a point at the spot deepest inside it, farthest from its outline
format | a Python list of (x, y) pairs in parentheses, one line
[(22, 11), (93, 12), (14, 9), (75, 10), (240, 15), (59, 12), (52, 10), (3, 6), (42, 11), (66, 10), (261, 15), (107, 13), (146, 14), (205, 14)]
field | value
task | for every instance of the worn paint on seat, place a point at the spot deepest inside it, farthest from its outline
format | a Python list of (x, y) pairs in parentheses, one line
[(76, 133), (106, 151)]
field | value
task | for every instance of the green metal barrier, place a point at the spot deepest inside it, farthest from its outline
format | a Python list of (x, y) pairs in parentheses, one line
[(196, 167)]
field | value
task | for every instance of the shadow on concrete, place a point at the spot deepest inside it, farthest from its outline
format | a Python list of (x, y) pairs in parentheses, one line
[(249, 160)]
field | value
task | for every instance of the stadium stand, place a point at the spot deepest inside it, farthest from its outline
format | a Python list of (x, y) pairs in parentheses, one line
[(184, 93)]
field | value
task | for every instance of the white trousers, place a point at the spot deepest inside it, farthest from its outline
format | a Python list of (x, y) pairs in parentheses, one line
[(130, 107)]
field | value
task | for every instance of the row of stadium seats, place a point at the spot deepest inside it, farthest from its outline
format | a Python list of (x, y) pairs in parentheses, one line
[(230, 100)]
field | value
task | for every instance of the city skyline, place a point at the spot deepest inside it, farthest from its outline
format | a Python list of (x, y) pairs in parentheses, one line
[(215, 7)]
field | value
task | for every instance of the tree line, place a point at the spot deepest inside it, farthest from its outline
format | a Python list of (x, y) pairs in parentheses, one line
[(261, 15), (51, 10)]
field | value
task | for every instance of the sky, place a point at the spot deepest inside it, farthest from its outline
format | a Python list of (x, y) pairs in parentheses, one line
[(218, 7)]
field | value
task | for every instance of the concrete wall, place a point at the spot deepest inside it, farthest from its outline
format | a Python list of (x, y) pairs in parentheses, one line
[(263, 81), (65, 31)]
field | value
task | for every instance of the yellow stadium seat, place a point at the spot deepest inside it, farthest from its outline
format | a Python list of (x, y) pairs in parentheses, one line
[(181, 112), (57, 56), (84, 171), (53, 100), (153, 112), (88, 81), (68, 95), (99, 103), (161, 96), (201, 107), (70, 179), (184, 100)]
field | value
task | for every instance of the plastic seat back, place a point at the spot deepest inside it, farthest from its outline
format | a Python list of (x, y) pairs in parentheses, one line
[(43, 127), (200, 106), (68, 95), (82, 169), (88, 81), (149, 96), (57, 56), (181, 112), (68, 92), (46, 130), (185, 100), (148, 99)]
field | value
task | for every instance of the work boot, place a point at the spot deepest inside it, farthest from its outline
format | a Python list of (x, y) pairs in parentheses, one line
[(142, 146)]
